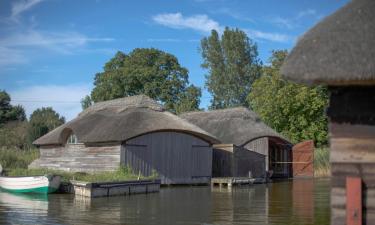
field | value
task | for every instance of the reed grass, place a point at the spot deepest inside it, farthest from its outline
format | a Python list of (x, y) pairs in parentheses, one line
[(321, 162), (13, 158)]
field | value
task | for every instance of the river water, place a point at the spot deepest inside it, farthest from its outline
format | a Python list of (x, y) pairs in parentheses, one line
[(302, 202)]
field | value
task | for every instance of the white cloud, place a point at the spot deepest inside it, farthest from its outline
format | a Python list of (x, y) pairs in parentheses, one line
[(234, 14), (171, 40), (64, 42), (64, 99), (308, 12), (14, 47), (269, 36), (22, 6), (293, 22), (11, 56), (200, 23)]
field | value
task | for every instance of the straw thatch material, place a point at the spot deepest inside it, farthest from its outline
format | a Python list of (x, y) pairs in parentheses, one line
[(340, 50), (234, 125), (121, 119)]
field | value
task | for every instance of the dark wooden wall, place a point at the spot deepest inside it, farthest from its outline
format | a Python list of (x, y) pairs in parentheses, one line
[(260, 146), (233, 161), (178, 158), (269, 147), (79, 157), (352, 140), (246, 161), (222, 160)]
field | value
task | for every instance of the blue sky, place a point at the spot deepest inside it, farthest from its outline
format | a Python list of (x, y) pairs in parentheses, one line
[(50, 50)]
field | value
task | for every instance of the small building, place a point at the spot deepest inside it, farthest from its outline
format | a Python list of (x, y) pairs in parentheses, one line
[(134, 131), (248, 145), (340, 52)]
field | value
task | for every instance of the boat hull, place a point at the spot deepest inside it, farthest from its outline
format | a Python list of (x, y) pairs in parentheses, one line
[(35, 184)]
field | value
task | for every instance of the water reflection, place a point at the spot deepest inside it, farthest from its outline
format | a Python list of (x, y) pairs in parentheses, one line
[(299, 202)]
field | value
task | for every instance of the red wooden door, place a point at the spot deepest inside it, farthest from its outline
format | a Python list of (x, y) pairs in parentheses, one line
[(303, 159)]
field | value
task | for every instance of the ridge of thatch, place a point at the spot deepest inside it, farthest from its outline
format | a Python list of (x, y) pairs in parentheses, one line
[(339, 50), (233, 125), (120, 120), (121, 104)]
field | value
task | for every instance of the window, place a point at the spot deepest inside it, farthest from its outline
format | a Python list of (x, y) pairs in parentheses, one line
[(72, 139)]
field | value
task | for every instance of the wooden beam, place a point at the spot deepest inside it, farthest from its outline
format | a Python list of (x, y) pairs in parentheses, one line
[(353, 201)]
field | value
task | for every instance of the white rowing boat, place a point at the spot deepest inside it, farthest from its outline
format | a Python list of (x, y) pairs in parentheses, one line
[(36, 184)]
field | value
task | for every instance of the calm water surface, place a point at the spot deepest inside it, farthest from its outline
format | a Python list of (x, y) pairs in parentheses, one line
[(289, 202)]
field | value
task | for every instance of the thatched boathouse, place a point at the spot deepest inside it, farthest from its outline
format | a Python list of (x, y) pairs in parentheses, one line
[(340, 52), (134, 131), (248, 145)]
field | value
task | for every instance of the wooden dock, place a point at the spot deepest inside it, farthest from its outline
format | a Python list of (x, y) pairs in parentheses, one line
[(235, 181), (106, 189)]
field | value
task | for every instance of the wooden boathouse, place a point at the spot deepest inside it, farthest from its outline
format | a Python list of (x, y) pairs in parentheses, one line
[(248, 145), (134, 131), (340, 52)]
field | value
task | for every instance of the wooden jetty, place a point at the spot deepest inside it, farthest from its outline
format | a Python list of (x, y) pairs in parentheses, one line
[(106, 189), (235, 181)]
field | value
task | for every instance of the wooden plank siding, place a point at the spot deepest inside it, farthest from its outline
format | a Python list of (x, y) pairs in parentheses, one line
[(222, 160), (352, 155), (79, 157), (246, 161), (261, 146), (178, 158), (233, 161), (352, 140)]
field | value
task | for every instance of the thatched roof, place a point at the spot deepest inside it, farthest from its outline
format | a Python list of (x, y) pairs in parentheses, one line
[(232, 126), (340, 50), (120, 120)]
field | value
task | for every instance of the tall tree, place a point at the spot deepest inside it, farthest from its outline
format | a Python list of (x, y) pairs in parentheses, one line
[(42, 121), (233, 65), (295, 110), (9, 112), (146, 71)]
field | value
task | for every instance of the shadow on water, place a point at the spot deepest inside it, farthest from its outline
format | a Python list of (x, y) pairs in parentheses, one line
[(303, 201)]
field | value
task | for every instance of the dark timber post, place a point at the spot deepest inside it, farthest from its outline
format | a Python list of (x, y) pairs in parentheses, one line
[(339, 52)]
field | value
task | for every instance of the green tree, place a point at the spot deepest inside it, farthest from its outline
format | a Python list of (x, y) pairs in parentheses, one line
[(86, 102), (42, 121), (9, 112), (189, 100), (14, 135), (233, 65), (146, 71), (295, 110)]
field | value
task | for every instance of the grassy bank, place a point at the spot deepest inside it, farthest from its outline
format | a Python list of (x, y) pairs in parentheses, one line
[(123, 173), (321, 162), (15, 163)]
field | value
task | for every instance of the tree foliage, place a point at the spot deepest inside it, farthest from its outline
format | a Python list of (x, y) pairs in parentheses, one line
[(9, 112), (86, 102), (233, 65), (14, 135), (42, 121), (295, 110), (147, 71)]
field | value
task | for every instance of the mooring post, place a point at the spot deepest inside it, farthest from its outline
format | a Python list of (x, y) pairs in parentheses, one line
[(353, 201)]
